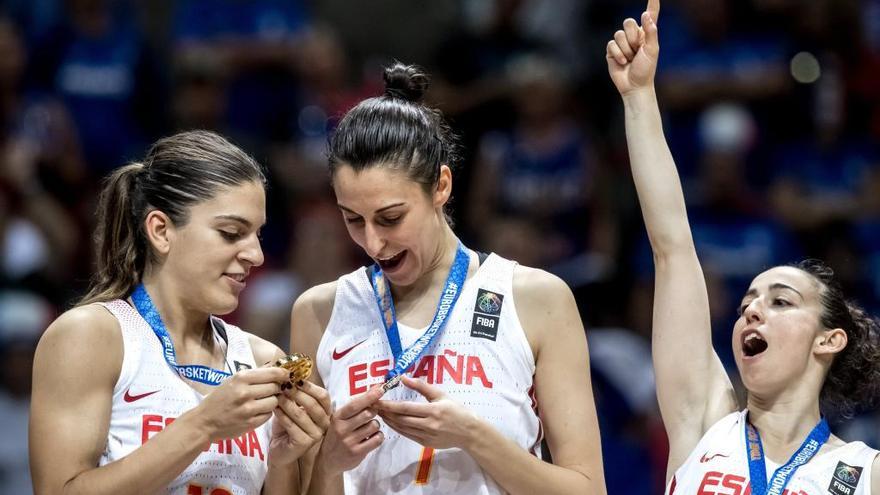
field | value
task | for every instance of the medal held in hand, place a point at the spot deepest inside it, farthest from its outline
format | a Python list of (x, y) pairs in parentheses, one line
[(299, 366)]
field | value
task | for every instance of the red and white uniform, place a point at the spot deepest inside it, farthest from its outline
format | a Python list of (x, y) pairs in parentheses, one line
[(481, 359), (150, 395), (718, 466)]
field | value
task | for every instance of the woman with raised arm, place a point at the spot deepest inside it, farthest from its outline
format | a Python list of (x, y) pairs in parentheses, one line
[(487, 355), (139, 388), (800, 347)]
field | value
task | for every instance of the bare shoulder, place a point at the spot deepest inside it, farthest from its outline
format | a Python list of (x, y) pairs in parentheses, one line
[(315, 304), (310, 316), (544, 303), (264, 351), (536, 287), (89, 318), (88, 340), (91, 327)]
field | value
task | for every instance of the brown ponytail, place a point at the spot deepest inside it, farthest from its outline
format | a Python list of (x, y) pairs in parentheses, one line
[(120, 250)]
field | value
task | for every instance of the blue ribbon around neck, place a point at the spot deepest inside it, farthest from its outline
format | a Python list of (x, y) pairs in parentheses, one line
[(758, 469), (194, 372), (403, 359)]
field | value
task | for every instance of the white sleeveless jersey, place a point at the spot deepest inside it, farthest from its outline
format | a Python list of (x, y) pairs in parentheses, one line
[(481, 359), (718, 466), (150, 395)]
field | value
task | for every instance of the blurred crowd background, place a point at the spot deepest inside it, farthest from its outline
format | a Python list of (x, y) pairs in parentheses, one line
[(771, 107)]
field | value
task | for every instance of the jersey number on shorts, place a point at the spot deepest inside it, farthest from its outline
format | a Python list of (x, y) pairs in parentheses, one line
[(192, 489), (424, 472)]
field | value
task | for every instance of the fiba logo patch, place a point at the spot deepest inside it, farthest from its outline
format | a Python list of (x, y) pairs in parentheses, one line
[(845, 479), (847, 474), (487, 309), (489, 303)]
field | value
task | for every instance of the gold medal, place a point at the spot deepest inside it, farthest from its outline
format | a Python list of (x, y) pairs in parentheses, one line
[(299, 366)]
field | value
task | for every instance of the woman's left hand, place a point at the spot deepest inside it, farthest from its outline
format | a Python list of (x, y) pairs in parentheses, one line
[(441, 423), (301, 419)]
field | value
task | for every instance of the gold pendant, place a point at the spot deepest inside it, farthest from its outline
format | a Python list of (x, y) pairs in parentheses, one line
[(299, 366)]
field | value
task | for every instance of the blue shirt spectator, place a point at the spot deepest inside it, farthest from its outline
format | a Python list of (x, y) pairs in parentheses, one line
[(256, 42), (105, 74)]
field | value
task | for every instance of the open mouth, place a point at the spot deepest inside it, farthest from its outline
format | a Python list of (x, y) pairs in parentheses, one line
[(392, 262), (753, 344)]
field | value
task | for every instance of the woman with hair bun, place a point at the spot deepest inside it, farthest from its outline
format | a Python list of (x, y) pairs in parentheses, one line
[(802, 349), (139, 388), (446, 366)]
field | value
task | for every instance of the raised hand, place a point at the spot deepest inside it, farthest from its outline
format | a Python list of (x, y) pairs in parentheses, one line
[(632, 54), (301, 419), (243, 402), (353, 433), (441, 423)]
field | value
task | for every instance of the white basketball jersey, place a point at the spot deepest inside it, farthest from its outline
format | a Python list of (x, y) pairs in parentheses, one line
[(718, 466), (481, 359), (149, 395)]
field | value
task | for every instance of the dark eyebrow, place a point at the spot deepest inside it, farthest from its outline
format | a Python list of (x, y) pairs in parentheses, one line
[(380, 210), (235, 218), (776, 286), (779, 286)]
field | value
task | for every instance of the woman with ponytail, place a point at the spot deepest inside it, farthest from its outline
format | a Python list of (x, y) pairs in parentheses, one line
[(447, 367), (802, 349), (140, 388)]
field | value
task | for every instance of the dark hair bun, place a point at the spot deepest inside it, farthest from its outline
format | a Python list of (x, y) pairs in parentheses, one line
[(406, 82)]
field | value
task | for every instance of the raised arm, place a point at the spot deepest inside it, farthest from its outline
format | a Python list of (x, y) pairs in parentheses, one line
[(76, 365), (692, 387)]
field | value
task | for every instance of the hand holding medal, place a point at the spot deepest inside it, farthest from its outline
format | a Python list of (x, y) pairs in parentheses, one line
[(299, 365), (438, 423), (294, 432)]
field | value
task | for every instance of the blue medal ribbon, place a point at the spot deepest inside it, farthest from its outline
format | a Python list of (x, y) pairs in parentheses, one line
[(758, 469), (194, 372), (403, 359)]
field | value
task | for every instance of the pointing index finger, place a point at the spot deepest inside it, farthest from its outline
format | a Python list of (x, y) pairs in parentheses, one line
[(654, 9)]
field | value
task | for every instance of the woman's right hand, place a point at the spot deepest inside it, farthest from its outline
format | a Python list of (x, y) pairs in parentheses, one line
[(301, 420), (353, 433), (242, 403), (632, 54)]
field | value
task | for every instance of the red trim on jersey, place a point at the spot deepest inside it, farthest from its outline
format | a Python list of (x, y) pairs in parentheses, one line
[(424, 472)]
